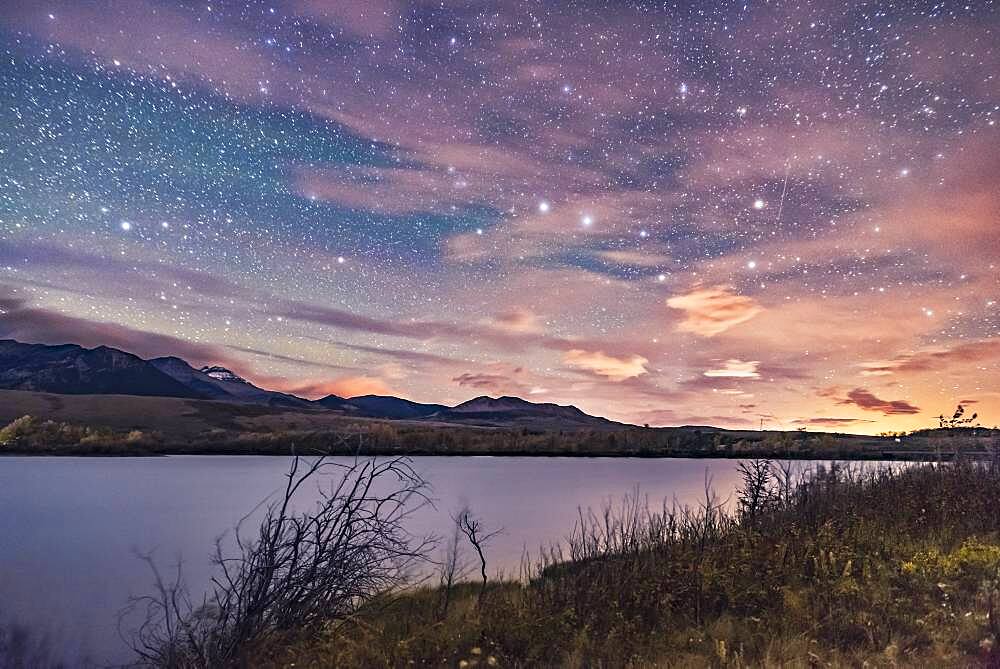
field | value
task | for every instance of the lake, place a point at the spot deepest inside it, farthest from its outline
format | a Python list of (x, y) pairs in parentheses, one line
[(71, 528)]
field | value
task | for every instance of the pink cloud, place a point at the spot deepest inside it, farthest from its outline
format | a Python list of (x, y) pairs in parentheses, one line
[(863, 399), (615, 368), (712, 311), (362, 19)]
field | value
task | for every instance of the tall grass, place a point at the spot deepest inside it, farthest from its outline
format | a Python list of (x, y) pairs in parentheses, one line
[(838, 567)]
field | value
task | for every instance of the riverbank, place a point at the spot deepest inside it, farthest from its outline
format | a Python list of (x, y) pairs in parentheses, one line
[(32, 435), (886, 568), (108, 508), (840, 456), (47, 424)]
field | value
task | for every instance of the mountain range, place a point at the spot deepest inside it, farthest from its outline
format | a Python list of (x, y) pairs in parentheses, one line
[(73, 370)]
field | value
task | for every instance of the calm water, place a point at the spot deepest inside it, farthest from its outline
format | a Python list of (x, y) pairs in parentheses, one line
[(70, 528)]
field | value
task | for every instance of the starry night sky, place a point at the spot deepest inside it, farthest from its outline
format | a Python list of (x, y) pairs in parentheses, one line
[(777, 213)]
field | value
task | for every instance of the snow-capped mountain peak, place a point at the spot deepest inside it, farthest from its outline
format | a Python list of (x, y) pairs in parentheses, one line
[(222, 374)]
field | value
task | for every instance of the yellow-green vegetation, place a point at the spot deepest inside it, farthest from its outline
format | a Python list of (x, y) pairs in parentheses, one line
[(29, 434), (881, 568)]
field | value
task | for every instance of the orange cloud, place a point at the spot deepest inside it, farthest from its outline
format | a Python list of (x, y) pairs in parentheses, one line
[(602, 364), (712, 311), (348, 386)]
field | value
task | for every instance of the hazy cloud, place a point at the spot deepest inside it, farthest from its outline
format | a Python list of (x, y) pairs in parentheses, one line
[(44, 326), (736, 369)]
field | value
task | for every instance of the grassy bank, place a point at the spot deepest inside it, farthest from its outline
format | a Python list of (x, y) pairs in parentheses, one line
[(248, 432), (877, 568)]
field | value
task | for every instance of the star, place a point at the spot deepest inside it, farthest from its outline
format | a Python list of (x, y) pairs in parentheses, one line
[(233, 159)]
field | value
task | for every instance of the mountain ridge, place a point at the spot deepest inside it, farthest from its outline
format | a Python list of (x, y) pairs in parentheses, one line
[(72, 369)]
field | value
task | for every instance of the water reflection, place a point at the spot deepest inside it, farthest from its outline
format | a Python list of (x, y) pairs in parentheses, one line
[(72, 527)]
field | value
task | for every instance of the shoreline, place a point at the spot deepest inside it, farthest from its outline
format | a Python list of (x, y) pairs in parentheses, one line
[(878, 456)]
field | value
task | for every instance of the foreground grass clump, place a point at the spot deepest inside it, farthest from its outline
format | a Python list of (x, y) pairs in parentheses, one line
[(842, 568)]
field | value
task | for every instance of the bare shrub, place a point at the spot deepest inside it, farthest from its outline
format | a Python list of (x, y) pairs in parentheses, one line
[(300, 571), (453, 567), (473, 529), (760, 489)]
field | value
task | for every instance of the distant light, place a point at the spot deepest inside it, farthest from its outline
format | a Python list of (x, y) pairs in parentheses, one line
[(479, 231), (904, 172), (543, 207), (587, 221), (661, 278), (164, 225), (752, 264), (341, 260), (758, 204), (126, 226)]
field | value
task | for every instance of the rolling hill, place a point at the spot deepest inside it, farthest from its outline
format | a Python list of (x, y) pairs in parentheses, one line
[(74, 370)]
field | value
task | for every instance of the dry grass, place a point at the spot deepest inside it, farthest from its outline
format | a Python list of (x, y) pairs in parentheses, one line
[(846, 569)]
